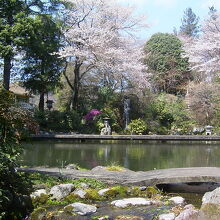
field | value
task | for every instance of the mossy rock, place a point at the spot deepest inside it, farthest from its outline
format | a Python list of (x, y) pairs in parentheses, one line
[(39, 200), (72, 197), (116, 191), (68, 210), (38, 213), (92, 194), (150, 192)]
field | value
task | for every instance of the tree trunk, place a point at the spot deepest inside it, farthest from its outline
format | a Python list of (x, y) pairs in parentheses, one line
[(41, 102), (7, 71), (76, 86)]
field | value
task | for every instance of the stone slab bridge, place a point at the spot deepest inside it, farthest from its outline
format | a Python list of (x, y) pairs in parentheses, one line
[(147, 178)]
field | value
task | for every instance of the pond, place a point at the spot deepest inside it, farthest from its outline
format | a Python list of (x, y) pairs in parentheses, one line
[(134, 155)]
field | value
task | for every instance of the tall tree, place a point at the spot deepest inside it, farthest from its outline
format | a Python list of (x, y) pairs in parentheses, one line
[(42, 67), (190, 23), (204, 52), (16, 24), (13, 22), (169, 70), (100, 39)]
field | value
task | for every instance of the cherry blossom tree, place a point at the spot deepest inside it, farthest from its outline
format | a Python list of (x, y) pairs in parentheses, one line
[(204, 51), (100, 40)]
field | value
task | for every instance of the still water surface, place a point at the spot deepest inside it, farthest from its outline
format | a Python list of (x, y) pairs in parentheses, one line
[(133, 155)]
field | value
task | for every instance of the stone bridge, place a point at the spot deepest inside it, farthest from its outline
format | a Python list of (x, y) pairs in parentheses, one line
[(147, 178)]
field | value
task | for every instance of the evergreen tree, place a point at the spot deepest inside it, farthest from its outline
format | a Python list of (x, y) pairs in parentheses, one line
[(190, 22), (169, 70), (14, 25), (42, 64)]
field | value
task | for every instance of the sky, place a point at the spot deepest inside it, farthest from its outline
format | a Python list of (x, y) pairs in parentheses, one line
[(164, 15)]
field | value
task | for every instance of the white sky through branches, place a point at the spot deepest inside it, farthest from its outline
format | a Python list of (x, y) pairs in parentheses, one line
[(164, 15)]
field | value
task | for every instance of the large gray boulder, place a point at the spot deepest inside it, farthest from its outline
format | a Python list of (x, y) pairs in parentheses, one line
[(212, 197), (210, 208), (81, 208), (59, 192), (123, 203)]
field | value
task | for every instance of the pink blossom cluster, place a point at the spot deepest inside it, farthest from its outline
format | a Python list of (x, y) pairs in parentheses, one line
[(91, 114)]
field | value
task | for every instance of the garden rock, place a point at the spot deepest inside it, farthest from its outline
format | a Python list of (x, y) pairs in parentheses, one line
[(178, 200), (72, 167), (189, 213), (104, 218), (210, 206), (103, 191), (169, 216), (129, 218), (79, 192), (84, 186), (98, 168), (143, 188), (123, 203), (38, 193), (82, 209), (58, 192), (212, 197)]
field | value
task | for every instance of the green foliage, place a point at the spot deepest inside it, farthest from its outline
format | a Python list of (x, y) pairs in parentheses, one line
[(13, 185), (93, 183), (167, 114), (150, 192), (92, 194), (38, 213), (115, 167), (72, 198), (113, 114), (190, 22), (38, 178), (42, 66), (137, 126), (56, 121), (170, 71), (116, 191), (39, 200), (56, 202)]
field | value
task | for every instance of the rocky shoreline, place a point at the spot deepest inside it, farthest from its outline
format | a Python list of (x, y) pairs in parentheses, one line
[(87, 199)]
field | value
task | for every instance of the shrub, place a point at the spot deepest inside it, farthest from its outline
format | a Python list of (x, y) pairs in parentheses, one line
[(137, 126), (14, 187), (56, 121)]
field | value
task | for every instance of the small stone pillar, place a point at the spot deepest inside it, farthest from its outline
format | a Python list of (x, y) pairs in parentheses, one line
[(208, 130)]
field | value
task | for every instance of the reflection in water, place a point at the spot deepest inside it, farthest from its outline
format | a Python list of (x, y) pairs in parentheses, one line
[(133, 155)]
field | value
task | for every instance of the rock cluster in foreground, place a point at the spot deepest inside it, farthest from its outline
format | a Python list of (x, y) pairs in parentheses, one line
[(86, 201)]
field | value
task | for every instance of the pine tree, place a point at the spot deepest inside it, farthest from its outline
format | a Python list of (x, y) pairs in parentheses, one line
[(190, 26)]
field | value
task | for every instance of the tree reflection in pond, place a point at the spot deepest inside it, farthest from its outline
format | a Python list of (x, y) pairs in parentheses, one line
[(133, 155)]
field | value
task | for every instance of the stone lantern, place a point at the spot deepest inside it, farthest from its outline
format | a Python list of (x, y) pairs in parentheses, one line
[(49, 104), (208, 130), (107, 129)]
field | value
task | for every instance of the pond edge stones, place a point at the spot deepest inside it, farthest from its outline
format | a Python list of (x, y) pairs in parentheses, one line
[(123, 203), (81, 208)]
